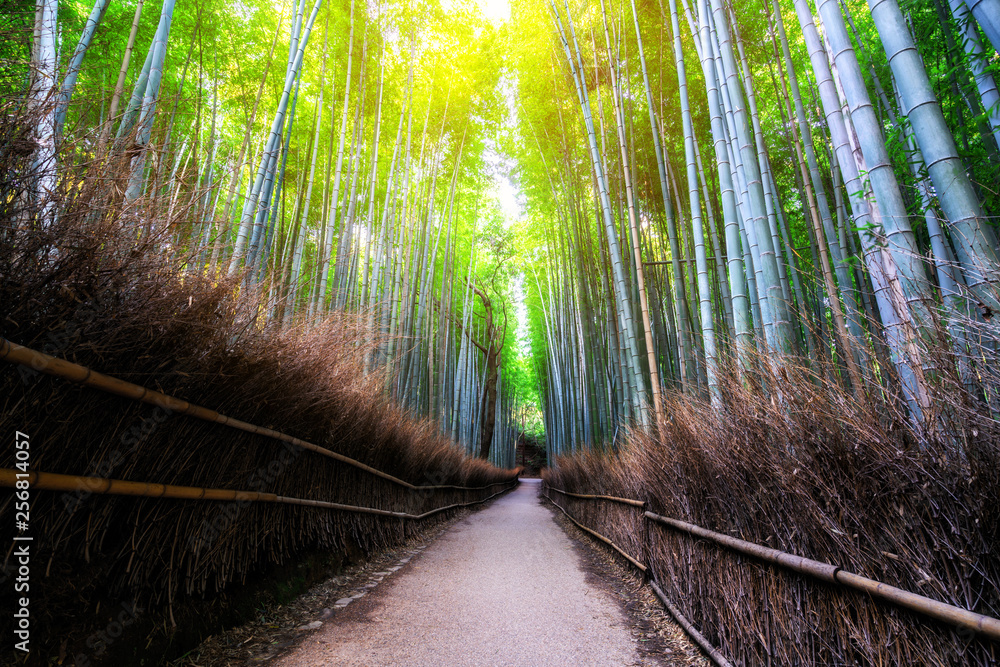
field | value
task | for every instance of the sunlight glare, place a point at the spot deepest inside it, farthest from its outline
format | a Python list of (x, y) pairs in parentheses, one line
[(497, 11)]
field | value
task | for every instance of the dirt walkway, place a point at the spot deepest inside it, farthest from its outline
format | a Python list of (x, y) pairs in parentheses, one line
[(503, 587)]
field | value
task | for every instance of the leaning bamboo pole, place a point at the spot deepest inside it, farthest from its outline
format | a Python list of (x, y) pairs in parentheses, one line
[(703, 291), (39, 361), (689, 628), (48, 481), (738, 275), (640, 278), (622, 291), (975, 242)]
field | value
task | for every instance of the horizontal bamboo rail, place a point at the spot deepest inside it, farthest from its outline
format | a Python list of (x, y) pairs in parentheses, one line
[(48, 481), (941, 611), (685, 624), (980, 623), (44, 363), (611, 544), (822, 571), (624, 501), (692, 631)]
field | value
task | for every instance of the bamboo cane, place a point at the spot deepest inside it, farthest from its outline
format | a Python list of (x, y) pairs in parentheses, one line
[(833, 574), (698, 638), (642, 568), (624, 501), (986, 625), (692, 632), (47, 481)]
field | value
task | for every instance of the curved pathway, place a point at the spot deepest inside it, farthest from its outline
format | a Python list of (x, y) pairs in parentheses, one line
[(502, 587)]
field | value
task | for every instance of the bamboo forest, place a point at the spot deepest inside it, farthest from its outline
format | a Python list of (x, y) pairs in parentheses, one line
[(289, 287)]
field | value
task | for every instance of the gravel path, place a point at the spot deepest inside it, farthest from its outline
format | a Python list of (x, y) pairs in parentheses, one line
[(503, 587)]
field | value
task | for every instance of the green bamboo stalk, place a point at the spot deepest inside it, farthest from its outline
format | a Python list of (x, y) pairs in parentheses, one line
[(975, 242), (734, 254), (704, 290)]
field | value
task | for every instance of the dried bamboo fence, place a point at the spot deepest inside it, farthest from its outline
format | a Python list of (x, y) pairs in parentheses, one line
[(47, 481), (206, 499), (980, 624), (44, 363), (39, 361)]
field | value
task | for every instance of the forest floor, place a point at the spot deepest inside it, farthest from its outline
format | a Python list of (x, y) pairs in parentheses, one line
[(503, 586)]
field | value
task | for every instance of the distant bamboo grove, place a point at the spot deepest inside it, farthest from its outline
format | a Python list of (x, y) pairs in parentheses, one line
[(708, 190)]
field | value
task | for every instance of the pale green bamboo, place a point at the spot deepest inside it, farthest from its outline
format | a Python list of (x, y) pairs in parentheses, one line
[(762, 316), (683, 342), (73, 71), (122, 73), (843, 278), (737, 270), (783, 340), (151, 92), (634, 230), (623, 297), (868, 216), (987, 13), (985, 82), (975, 242), (717, 254), (42, 90), (323, 266), (704, 289), (394, 297), (274, 137), (899, 235), (300, 232)]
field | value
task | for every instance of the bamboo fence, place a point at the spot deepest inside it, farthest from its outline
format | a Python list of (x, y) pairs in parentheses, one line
[(979, 623)]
